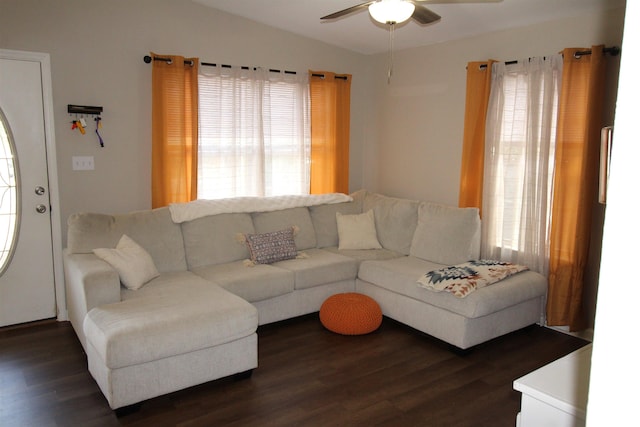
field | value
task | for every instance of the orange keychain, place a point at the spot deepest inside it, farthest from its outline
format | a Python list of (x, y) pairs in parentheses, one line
[(81, 124)]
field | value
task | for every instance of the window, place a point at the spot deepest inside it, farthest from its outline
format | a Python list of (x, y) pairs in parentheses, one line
[(519, 161), (8, 195), (254, 133)]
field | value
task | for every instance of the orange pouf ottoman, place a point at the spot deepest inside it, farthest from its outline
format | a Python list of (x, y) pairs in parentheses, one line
[(350, 314)]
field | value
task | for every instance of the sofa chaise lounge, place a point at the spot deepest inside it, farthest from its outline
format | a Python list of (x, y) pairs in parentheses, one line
[(197, 298)]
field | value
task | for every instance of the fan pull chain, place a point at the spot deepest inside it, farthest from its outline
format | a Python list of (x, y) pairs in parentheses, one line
[(392, 27)]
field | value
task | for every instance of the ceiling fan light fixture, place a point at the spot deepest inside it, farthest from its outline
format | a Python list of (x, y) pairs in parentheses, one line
[(391, 11)]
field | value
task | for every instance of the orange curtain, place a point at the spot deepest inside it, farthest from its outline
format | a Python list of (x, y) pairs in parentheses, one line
[(575, 183), (475, 115), (330, 120), (174, 174)]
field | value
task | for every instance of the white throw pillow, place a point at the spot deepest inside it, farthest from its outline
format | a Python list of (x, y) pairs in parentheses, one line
[(357, 231), (133, 264)]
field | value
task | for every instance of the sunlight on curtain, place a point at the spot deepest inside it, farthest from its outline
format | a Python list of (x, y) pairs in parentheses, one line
[(330, 128), (174, 130), (519, 152), (475, 118), (254, 137), (575, 187)]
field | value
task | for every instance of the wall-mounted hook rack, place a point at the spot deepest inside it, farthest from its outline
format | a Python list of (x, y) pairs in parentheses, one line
[(83, 109)]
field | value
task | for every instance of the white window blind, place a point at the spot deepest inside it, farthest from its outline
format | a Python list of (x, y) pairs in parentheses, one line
[(254, 133)]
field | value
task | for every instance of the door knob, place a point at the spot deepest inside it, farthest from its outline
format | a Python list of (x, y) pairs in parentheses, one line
[(39, 190), (41, 208)]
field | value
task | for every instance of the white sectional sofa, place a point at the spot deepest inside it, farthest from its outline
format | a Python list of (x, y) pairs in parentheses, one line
[(195, 318)]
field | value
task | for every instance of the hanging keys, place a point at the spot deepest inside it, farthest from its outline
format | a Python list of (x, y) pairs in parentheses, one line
[(99, 126), (81, 125)]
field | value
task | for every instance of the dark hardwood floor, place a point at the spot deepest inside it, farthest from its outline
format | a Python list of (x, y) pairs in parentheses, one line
[(307, 376)]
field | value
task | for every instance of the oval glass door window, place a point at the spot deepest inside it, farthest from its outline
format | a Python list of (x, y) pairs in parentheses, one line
[(8, 195)]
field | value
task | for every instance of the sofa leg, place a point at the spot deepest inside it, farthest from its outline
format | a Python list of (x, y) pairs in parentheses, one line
[(460, 352), (243, 375), (127, 410)]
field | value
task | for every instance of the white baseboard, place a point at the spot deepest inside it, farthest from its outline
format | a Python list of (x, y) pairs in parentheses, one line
[(586, 334)]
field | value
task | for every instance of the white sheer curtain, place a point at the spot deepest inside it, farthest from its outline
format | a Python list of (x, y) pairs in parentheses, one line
[(254, 133), (519, 152)]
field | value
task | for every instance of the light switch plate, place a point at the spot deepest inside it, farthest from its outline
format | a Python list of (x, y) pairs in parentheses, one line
[(82, 163)]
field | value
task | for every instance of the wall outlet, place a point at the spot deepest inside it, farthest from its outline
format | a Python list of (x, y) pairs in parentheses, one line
[(82, 163)]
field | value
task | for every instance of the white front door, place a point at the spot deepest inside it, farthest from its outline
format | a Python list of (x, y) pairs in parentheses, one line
[(27, 287)]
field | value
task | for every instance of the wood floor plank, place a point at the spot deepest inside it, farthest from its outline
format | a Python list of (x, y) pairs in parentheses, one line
[(307, 376)]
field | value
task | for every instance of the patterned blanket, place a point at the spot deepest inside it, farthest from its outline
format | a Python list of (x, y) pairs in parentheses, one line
[(183, 212), (462, 279)]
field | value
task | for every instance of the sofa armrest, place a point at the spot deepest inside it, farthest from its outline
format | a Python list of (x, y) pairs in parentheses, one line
[(90, 282)]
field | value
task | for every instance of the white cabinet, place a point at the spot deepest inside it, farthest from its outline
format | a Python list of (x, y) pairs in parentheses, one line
[(556, 394)]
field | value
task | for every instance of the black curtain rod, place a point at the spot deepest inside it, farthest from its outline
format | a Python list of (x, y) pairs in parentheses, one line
[(613, 51), (148, 60), (322, 76)]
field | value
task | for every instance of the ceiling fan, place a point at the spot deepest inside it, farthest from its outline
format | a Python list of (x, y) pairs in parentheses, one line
[(398, 11), (393, 12)]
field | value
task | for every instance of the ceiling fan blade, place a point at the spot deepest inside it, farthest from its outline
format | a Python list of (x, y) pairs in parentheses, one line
[(423, 15), (457, 1), (348, 10)]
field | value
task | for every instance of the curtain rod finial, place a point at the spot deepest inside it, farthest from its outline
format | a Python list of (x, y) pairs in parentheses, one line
[(147, 59)]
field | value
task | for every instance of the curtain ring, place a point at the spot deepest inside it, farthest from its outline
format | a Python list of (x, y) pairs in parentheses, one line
[(169, 61), (577, 55)]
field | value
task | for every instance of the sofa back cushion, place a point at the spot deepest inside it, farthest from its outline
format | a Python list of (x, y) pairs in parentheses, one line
[(214, 239), (324, 220), (267, 222), (396, 220), (446, 234), (152, 229)]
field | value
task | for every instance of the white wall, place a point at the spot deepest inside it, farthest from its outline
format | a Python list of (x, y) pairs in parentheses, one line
[(96, 50), (420, 115), (615, 375)]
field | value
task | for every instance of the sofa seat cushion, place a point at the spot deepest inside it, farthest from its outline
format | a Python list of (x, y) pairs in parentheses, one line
[(196, 316), (320, 267), (400, 275), (166, 284), (365, 254), (252, 283)]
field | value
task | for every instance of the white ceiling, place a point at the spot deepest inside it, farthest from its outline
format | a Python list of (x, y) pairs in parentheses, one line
[(359, 33)]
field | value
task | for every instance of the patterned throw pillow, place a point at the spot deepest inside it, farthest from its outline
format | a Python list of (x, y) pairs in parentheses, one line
[(267, 248)]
